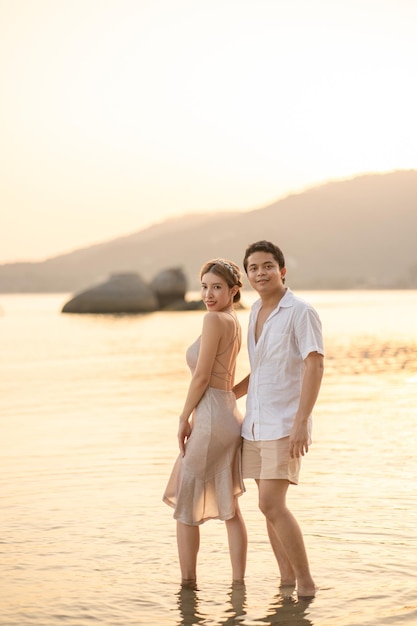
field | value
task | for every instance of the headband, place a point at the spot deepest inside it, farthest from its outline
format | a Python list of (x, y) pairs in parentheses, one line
[(227, 265)]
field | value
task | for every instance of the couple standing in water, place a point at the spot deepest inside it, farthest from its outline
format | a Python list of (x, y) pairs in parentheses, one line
[(286, 366)]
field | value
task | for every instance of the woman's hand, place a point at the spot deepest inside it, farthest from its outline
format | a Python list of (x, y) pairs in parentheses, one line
[(184, 431)]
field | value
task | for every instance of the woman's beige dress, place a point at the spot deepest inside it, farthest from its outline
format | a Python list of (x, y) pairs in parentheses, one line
[(205, 482)]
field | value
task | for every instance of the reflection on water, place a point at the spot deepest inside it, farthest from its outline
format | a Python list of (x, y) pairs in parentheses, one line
[(88, 431), (190, 610), (287, 610), (284, 609), (188, 606)]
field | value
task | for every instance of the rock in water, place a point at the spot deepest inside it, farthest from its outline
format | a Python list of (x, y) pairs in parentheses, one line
[(169, 286), (122, 293)]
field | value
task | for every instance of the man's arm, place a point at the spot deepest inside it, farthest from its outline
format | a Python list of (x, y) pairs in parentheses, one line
[(241, 388), (309, 392)]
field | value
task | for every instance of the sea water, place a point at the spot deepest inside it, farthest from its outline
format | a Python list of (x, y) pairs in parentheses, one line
[(88, 421)]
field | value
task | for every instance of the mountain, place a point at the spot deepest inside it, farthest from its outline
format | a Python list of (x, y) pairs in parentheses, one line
[(356, 233)]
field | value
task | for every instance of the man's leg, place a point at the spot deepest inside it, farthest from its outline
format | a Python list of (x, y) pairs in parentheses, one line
[(285, 568), (272, 503)]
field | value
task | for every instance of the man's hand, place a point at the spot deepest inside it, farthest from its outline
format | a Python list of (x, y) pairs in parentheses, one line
[(299, 440)]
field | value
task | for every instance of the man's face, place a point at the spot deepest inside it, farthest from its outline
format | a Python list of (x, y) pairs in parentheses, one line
[(263, 272)]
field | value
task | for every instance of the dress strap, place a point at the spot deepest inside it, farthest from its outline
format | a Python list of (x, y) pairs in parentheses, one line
[(234, 337), (226, 374)]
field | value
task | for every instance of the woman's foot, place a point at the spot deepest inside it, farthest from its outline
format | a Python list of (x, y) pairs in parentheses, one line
[(189, 583)]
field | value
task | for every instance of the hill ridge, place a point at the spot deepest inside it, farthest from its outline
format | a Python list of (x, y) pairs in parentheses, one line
[(347, 233)]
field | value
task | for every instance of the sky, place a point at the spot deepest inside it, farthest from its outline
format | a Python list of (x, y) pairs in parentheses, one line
[(118, 114)]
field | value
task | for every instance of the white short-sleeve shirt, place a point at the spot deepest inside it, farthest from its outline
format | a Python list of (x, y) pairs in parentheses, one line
[(291, 332)]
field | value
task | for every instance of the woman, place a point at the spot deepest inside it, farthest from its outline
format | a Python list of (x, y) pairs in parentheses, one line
[(206, 480)]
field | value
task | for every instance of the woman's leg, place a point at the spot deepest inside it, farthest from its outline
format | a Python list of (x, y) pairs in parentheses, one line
[(188, 541), (238, 544)]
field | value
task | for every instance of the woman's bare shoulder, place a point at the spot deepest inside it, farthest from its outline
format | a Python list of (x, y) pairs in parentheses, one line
[(212, 319)]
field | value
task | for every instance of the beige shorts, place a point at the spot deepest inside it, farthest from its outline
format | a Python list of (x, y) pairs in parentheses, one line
[(270, 459)]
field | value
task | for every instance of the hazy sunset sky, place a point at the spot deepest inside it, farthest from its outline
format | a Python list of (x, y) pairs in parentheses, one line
[(116, 114)]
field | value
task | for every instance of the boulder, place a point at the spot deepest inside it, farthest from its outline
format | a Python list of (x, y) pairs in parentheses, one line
[(169, 286), (122, 293), (186, 305)]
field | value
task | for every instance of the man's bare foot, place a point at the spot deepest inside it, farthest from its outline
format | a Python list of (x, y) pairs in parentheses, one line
[(286, 589), (306, 587), (306, 593)]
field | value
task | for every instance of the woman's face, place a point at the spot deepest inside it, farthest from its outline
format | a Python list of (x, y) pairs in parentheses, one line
[(216, 293)]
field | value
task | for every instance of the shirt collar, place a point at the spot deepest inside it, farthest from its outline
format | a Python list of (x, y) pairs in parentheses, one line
[(286, 301)]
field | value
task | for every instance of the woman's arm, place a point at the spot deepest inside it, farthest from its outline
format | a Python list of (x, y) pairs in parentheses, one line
[(210, 338)]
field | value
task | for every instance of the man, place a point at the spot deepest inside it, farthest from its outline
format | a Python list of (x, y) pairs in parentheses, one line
[(286, 357)]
